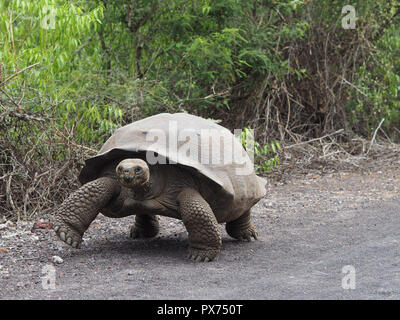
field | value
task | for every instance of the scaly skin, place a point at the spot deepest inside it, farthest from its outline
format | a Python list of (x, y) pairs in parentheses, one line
[(202, 226), (145, 226), (78, 211), (242, 228)]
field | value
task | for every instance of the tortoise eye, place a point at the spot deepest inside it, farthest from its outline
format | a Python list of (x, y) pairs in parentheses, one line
[(138, 170)]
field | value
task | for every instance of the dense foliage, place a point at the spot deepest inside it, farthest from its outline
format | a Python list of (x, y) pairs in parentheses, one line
[(73, 71)]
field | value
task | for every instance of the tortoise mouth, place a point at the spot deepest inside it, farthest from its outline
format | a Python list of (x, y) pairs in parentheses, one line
[(127, 180)]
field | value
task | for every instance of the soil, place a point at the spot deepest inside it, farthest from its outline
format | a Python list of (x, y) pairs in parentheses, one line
[(310, 227)]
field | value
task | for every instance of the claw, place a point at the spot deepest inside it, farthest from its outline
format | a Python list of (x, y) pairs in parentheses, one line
[(67, 233), (198, 255)]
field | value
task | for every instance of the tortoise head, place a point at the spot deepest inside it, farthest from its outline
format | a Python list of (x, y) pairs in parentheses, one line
[(133, 173)]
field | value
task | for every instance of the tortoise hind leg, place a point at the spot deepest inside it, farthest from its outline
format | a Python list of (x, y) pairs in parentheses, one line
[(242, 228), (145, 226)]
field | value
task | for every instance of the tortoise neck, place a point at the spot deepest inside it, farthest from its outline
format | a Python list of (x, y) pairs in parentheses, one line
[(153, 187), (143, 192)]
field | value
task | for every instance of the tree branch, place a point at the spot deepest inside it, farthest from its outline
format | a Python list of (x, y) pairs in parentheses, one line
[(17, 73)]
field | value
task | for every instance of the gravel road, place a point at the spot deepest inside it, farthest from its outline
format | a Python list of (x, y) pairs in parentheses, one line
[(310, 228)]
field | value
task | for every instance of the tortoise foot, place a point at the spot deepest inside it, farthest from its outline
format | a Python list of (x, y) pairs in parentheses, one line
[(245, 234), (242, 228), (141, 233), (145, 227), (67, 234), (202, 255)]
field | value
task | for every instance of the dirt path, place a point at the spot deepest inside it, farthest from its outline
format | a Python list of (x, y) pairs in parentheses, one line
[(310, 228)]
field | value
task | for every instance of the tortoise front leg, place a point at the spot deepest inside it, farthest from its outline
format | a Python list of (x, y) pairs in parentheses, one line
[(78, 211), (202, 226)]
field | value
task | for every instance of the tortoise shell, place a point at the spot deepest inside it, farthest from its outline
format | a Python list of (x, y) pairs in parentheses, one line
[(203, 146)]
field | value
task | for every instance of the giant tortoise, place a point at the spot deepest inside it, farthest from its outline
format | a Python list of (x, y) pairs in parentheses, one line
[(175, 165)]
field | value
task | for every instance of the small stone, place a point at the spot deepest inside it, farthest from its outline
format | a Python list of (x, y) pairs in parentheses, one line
[(22, 224), (57, 259), (6, 225), (9, 223), (42, 225)]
